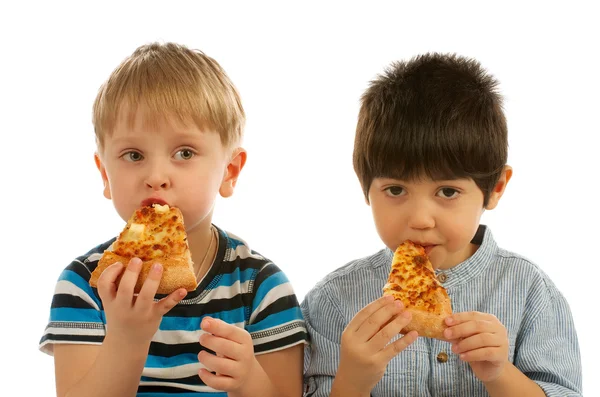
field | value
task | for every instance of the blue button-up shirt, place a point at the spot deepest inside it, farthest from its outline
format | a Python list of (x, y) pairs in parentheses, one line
[(542, 338)]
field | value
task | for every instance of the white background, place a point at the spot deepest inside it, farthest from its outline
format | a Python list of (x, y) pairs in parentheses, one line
[(300, 69)]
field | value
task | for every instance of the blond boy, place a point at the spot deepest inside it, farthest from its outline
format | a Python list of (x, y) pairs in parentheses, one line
[(168, 125)]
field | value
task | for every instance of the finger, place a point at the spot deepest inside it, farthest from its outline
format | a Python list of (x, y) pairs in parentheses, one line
[(168, 302), (224, 330), (129, 279), (477, 342), (218, 382), (492, 354), (222, 347), (377, 320), (391, 330), (458, 318), (470, 328), (107, 282), (367, 311), (221, 365), (150, 286), (394, 348)]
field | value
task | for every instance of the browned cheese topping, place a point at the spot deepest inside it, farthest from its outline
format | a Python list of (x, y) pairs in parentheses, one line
[(153, 232), (412, 279)]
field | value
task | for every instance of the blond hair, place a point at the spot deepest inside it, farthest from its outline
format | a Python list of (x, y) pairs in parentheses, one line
[(170, 82)]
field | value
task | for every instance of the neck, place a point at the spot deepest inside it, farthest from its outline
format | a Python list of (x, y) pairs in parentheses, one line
[(199, 241)]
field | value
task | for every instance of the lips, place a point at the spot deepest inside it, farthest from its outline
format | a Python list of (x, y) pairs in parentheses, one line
[(426, 246), (153, 200)]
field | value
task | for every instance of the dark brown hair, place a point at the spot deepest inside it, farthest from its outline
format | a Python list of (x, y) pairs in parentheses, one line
[(438, 116)]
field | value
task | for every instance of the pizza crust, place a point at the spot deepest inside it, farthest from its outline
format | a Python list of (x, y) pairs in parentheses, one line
[(154, 234), (426, 324), (176, 272)]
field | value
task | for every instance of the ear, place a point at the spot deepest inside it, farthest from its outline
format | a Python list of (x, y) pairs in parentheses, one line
[(237, 162), (102, 170), (500, 187)]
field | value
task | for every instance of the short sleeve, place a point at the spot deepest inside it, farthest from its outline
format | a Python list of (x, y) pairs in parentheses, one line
[(275, 320), (547, 349), (325, 324), (76, 315)]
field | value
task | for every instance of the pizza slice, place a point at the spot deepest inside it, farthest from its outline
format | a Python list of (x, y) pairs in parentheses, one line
[(413, 282), (155, 234)]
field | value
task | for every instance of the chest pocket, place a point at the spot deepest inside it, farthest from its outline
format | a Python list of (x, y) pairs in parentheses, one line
[(406, 374)]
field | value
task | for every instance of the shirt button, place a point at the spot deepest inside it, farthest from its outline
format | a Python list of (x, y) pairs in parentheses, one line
[(442, 277), (442, 357)]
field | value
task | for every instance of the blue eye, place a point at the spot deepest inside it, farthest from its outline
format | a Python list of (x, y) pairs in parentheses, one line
[(132, 156), (184, 154)]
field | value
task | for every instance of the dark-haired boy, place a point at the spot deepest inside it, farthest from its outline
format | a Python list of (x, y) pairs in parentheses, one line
[(430, 153)]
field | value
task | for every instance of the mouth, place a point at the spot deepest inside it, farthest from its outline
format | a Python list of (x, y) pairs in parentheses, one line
[(154, 200), (426, 246)]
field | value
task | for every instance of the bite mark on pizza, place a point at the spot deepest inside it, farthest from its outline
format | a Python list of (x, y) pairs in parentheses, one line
[(412, 281), (155, 234)]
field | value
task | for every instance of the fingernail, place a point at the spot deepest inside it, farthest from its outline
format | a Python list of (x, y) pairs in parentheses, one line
[(182, 293), (449, 320), (206, 323), (157, 267), (135, 261), (448, 334), (406, 314), (399, 304), (389, 298)]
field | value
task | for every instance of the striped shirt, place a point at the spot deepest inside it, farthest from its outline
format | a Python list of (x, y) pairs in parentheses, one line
[(542, 338), (241, 288)]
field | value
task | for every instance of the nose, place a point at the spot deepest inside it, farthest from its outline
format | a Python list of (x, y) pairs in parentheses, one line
[(421, 217), (158, 178)]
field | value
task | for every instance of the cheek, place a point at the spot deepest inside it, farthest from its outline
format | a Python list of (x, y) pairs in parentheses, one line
[(462, 228), (388, 227)]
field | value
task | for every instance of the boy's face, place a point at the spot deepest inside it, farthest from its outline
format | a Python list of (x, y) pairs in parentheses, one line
[(443, 216), (176, 164)]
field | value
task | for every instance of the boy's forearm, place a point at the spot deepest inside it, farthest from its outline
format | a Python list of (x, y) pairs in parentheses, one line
[(513, 382), (342, 388), (259, 384), (339, 389), (116, 371)]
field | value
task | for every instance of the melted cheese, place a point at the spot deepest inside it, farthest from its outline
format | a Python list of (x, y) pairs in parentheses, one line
[(153, 232), (412, 279)]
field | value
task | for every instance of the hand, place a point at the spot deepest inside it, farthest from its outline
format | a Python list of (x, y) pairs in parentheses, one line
[(481, 340), (130, 319), (234, 363), (365, 350)]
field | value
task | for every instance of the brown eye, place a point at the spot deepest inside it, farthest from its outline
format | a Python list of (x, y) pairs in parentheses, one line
[(394, 191), (448, 192)]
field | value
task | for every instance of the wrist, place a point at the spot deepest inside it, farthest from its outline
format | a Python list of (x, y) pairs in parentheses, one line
[(502, 377), (343, 385), (257, 383)]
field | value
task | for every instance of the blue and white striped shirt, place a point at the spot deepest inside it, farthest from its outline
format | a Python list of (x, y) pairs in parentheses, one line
[(241, 288), (542, 338)]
